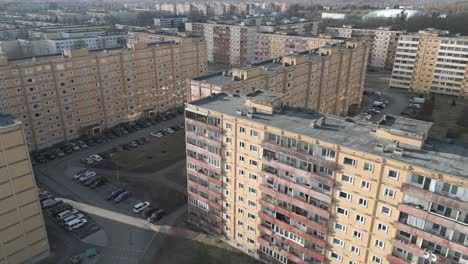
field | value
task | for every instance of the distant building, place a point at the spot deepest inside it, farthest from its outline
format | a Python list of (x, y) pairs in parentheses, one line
[(170, 22), (393, 13), (338, 16), (431, 62)]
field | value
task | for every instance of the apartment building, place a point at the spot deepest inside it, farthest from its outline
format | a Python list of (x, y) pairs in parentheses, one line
[(328, 79), (23, 232), (60, 98), (383, 43), (269, 45), (290, 185), (432, 62)]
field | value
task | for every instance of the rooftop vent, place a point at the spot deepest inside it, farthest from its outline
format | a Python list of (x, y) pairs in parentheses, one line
[(398, 151), (239, 111), (379, 147), (250, 115)]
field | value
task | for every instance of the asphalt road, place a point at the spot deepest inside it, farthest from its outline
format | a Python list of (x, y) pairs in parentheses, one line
[(125, 236)]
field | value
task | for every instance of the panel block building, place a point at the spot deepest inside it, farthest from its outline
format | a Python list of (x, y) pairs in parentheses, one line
[(80, 92), (329, 79), (22, 229), (432, 62), (290, 185)]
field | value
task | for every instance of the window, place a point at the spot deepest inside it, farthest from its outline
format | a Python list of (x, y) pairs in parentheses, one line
[(228, 140), (228, 153), (241, 185), (253, 133), (393, 174), (227, 193), (251, 216), (239, 235), (252, 190), (241, 158), (385, 210), (344, 195), (368, 167), (376, 260), (389, 193), (254, 148), (340, 227), (252, 203), (250, 241), (449, 188), (241, 144), (242, 130), (228, 126), (365, 185), (251, 229), (382, 227), (328, 153), (253, 163), (241, 172), (240, 198), (337, 242), (357, 234), (240, 223), (362, 201), (379, 243), (252, 176), (354, 250), (359, 218), (342, 211), (335, 256), (347, 179), (351, 262), (350, 162)]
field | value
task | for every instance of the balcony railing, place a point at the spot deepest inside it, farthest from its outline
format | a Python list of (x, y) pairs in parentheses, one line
[(202, 125), (202, 164), (436, 197), (211, 140)]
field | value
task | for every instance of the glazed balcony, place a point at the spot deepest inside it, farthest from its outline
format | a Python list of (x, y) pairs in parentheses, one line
[(204, 189), (294, 200), (297, 216), (203, 164), (307, 235), (296, 258), (396, 260), (436, 197), (211, 140), (206, 215), (203, 151), (300, 154), (205, 225), (312, 191), (202, 125), (291, 244), (209, 202), (209, 178), (275, 163)]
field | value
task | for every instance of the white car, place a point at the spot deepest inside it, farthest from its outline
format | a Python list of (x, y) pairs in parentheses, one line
[(133, 144), (72, 217), (87, 176), (75, 224), (139, 207), (79, 174), (156, 134), (87, 161), (169, 130), (96, 158)]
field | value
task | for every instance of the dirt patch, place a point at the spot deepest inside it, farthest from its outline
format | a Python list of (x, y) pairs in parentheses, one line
[(448, 111)]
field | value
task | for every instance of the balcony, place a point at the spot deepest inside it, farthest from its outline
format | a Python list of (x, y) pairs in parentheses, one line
[(205, 225), (306, 235), (204, 152), (205, 176), (307, 156), (436, 197), (205, 214), (306, 189), (209, 202), (395, 260), (201, 125), (263, 241), (275, 163), (303, 218), (293, 200), (216, 142), (203, 164), (291, 244), (205, 189)]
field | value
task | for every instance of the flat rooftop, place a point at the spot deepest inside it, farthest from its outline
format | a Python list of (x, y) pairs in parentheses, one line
[(443, 157)]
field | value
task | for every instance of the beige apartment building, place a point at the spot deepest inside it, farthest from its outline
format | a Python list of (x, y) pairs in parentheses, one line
[(328, 79), (59, 98), (269, 45), (432, 62), (22, 229), (290, 185)]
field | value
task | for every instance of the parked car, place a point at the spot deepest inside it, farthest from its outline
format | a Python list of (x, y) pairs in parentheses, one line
[(139, 207), (139, 141), (49, 203), (133, 144), (62, 215), (118, 148), (169, 130), (96, 158), (156, 134), (72, 217), (87, 161), (114, 194), (148, 212), (87, 176), (76, 224), (156, 216), (104, 155), (50, 156), (82, 144), (91, 142), (75, 146), (91, 180), (122, 197), (40, 159), (58, 208), (101, 181), (80, 173)]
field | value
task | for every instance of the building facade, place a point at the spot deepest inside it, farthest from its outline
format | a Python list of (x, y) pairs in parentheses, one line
[(23, 232), (169, 22), (63, 97), (289, 185), (269, 46), (382, 41), (432, 62), (328, 79)]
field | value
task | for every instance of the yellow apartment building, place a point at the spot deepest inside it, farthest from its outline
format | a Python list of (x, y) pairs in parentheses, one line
[(290, 185), (22, 230), (328, 79), (59, 98)]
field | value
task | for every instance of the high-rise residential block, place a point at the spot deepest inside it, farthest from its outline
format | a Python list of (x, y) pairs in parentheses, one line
[(328, 79), (269, 45), (63, 97), (290, 185), (382, 42), (432, 62), (22, 229)]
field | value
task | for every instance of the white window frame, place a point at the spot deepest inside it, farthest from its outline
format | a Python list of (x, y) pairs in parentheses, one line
[(355, 250), (353, 163), (337, 241), (357, 234), (360, 219), (379, 244), (387, 192), (381, 227), (389, 210), (342, 229), (345, 212), (351, 179), (370, 167), (363, 202), (366, 183), (337, 258), (348, 196), (393, 178)]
